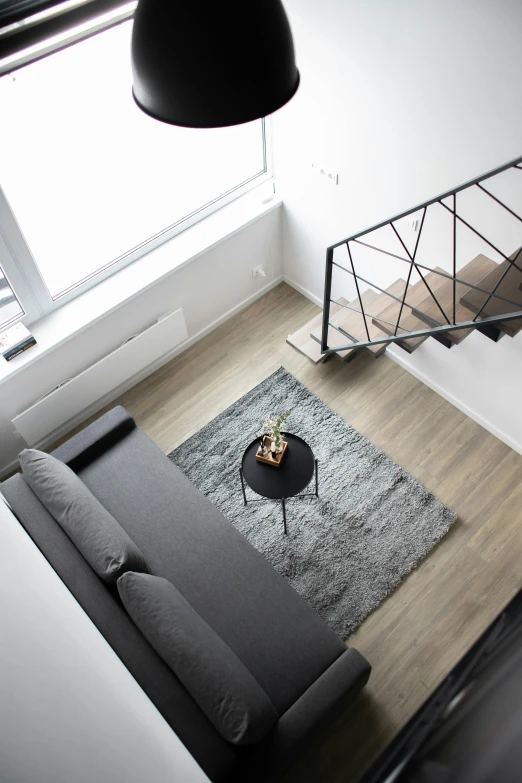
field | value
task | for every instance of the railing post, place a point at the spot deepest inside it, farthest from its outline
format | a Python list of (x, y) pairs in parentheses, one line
[(327, 297), (454, 257)]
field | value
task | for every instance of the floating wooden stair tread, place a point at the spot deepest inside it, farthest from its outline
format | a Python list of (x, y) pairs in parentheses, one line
[(409, 321), (334, 338), (352, 325), (305, 344), (428, 312), (510, 288), (339, 315)]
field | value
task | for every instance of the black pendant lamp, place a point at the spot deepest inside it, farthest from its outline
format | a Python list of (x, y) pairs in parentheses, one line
[(212, 63)]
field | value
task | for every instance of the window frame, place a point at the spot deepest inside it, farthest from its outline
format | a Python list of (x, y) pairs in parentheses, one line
[(7, 323), (18, 272), (21, 269)]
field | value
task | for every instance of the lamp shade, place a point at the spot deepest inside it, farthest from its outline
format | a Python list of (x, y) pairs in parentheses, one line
[(212, 63)]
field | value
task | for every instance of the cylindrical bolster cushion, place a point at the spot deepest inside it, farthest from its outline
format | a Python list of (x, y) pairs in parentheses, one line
[(93, 440), (211, 672), (97, 535)]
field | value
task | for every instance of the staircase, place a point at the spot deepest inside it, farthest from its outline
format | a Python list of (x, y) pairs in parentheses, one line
[(484, 294)]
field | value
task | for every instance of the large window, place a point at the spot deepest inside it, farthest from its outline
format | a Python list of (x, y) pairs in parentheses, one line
[(89, 183)]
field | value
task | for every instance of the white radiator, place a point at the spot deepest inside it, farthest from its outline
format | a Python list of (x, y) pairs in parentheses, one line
[(82, 391)]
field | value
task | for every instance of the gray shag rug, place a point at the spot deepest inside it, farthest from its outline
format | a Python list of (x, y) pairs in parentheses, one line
[(346, 550)]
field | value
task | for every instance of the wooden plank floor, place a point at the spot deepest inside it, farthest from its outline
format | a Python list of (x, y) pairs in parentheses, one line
[(415, 637)]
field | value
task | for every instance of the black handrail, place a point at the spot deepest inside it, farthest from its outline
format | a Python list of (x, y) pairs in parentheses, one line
[(512, 164)]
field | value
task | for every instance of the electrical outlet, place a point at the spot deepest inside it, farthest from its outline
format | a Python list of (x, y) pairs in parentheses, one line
[(323, 172), (259, 271)]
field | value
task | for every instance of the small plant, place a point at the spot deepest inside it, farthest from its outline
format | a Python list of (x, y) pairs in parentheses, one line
[(271, 426)]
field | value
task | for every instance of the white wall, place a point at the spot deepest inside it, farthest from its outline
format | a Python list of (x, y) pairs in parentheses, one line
[(69, 709), (404, 100), (208, 288)]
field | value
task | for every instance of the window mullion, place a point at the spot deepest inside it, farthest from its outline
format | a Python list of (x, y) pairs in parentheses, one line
[(20, 267)]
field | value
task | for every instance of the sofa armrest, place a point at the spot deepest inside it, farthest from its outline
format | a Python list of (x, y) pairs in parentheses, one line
[(319, 705), (92, 441), (326, 697)]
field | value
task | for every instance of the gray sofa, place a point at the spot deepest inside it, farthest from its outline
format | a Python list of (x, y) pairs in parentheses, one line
[(303, 666)]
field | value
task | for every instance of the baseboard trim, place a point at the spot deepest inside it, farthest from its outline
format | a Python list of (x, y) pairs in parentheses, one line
[(221, 320), (144, 373), (8, 469), (304, 291), (402, 361)]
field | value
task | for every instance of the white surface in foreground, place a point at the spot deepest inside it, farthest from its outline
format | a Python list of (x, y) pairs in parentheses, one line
[(69, 710)]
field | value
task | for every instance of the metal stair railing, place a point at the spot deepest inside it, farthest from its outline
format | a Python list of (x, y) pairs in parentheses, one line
[(451, 325)]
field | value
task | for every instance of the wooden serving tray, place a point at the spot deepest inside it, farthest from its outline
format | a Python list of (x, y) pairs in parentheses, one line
[(269, 460)]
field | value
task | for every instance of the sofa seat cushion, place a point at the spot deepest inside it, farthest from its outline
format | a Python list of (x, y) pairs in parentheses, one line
[(213, 675), (280, 639), (105, 545)]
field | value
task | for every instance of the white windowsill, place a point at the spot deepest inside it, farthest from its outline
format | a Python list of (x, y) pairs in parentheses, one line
[(75, 316)]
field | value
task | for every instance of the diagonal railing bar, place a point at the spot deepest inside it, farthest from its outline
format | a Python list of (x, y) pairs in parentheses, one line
[(374, 317), (502, 276), (354, 310), (418, 238), (401, 308), (436, 330), (379, 250), (410, 256), (406, 260), (499, 202), (468, 285), (373, 285), (382, 320), (517, 167), (504, 256), (417, 267), (435, 272), (358, 292)]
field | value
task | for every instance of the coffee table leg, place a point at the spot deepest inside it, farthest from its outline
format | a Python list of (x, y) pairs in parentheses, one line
[(284, 514), (316, 478), (243, 486)]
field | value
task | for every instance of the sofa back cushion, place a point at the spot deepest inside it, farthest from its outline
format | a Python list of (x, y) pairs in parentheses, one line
[(105, 545), (212, 673)]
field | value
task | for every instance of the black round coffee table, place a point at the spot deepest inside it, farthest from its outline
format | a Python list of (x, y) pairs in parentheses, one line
[(286, 481)]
